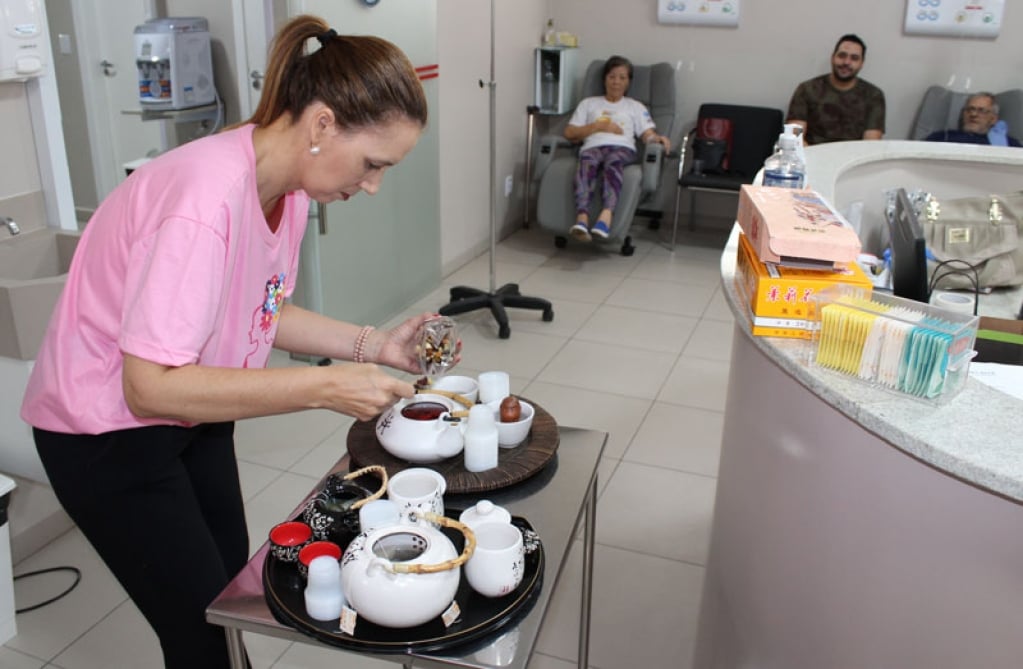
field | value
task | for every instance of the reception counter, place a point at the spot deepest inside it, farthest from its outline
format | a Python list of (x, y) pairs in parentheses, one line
[(854, 527)]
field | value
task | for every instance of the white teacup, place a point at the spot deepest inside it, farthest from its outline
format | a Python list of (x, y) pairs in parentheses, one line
[(415, 491), (494, 386), (497, 565), (466, 386)]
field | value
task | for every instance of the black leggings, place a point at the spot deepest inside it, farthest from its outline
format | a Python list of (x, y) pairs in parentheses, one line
[(162, 506)]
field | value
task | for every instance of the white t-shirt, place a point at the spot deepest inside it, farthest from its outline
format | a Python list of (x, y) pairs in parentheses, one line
[(631, 115)]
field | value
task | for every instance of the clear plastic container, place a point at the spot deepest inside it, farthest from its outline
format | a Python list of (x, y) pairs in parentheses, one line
[(907, 347)]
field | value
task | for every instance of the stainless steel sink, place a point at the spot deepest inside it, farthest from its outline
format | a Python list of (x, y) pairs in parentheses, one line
[(33, 269)]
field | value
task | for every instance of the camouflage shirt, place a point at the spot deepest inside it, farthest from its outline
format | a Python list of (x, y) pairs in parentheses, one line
[(832, 115)]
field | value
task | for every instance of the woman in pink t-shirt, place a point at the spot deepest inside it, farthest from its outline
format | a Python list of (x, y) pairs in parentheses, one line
[(174, 300)]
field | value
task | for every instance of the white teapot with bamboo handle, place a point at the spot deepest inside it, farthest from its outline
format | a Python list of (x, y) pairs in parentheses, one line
[(421, 429), (404, 575)]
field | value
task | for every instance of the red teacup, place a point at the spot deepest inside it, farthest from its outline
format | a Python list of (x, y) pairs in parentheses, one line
[(287, 539)]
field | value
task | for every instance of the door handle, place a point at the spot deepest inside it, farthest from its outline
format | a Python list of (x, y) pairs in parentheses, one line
[(257, 79), (109, 69)]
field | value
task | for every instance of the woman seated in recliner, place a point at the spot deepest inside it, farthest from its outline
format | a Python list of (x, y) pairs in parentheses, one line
[(607, 125)]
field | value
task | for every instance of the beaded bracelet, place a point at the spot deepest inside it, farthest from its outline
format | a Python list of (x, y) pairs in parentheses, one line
[(359, 354)]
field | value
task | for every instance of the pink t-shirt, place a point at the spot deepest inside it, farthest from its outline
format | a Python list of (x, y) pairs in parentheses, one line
[(177, 266)]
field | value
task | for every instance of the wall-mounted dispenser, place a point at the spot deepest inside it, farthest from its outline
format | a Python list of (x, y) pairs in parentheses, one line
[(175, 64), (23, 49), (555, 79)]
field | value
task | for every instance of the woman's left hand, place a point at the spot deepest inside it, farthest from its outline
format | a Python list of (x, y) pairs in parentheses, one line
[(397, 346)]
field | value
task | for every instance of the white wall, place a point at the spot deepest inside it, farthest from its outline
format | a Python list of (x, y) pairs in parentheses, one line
[(463, 45), (759, 62), (780, 43)]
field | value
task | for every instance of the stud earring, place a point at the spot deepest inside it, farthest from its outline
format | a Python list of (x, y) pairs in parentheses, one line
[(315, 150)]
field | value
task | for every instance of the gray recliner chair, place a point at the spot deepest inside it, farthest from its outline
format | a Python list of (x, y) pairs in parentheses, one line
[(642, 184), (941, 107)]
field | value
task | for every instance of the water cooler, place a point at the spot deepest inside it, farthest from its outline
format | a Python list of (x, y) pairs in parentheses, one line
[(23, 49), (7, 626), (556, 71), (175, 64)]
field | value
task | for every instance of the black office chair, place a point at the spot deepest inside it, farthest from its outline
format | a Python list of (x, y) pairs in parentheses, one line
[(735, 139)]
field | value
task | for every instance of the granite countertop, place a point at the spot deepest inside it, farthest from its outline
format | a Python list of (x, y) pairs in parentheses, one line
[(977, 436)]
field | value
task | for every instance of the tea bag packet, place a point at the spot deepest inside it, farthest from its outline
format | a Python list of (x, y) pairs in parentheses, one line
[(853, 336), (826, 337), (871, 357), (832, 342), (894, 352), (911, 316), (915, 360), (884, 357), (935, 382), (864, 321)]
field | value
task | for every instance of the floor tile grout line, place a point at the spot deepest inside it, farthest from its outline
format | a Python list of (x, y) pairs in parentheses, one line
[(651, 555), (625, 460)]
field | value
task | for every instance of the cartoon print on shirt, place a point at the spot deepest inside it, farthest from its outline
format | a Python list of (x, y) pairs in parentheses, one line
[(264, 318)]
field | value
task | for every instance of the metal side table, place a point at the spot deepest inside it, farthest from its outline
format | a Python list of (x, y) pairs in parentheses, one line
[(555, 501)]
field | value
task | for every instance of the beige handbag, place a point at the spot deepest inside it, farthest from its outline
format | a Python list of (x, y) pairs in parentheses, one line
[(982, 232)]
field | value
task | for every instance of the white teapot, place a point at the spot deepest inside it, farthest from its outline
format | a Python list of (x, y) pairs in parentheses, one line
[(404, 575), (421, 429)]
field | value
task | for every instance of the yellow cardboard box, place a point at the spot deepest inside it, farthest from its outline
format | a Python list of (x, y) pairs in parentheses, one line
[(780, 299)]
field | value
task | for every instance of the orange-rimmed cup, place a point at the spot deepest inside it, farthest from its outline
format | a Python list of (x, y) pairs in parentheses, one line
[(314, 550), (287, 539)]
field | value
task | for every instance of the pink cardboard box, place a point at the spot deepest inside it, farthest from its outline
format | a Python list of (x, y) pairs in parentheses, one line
[(795, 227)]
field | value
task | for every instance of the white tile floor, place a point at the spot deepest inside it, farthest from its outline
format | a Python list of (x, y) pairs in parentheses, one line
[(639, 347)]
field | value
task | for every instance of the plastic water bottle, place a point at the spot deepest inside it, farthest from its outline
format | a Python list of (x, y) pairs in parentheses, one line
[(550, 36), (785, 168), (549, 89)]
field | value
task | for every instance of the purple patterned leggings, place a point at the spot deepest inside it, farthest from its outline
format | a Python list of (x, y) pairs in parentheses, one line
[(613, 159)]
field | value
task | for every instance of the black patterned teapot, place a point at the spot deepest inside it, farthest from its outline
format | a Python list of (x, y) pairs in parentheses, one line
[(333, 513)]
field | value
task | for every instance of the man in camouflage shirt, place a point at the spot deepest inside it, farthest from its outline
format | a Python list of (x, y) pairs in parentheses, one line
[(839, 105)]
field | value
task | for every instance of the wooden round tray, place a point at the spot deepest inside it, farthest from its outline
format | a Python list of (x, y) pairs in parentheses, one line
[(513, 464)]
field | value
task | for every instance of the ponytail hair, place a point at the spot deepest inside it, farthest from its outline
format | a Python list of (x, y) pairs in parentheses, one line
[(364, 80)]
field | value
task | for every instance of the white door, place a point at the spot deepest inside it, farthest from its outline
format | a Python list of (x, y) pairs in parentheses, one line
[(381, 253), (254, 26), (117, 132)]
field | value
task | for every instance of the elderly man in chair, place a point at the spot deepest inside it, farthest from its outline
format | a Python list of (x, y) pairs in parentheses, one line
[(978, 124)]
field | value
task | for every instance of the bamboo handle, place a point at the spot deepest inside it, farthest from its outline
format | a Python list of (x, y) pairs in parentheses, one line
[(366, 470), (461, 399), (470, 548)]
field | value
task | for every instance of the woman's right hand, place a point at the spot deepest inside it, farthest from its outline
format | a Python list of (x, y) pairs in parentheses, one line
[(363, 391), (605, 124)]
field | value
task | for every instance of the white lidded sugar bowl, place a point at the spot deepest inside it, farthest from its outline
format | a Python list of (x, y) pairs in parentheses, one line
[(404, 575), (420, 429)]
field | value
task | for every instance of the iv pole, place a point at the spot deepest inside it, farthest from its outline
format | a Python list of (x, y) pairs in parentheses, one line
[(464, 298)]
